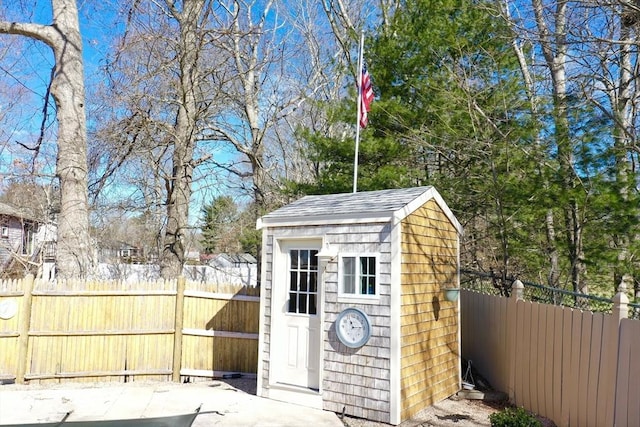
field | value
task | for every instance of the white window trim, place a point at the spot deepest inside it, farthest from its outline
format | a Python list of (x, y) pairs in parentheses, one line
[(5, 231), (358, 298)]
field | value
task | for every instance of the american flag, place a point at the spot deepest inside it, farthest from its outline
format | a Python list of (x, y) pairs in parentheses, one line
[(366, 96)]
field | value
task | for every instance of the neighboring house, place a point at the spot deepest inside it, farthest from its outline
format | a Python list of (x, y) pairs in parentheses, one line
[(231, 269), (120, 252), (26, 244), (232, 260)]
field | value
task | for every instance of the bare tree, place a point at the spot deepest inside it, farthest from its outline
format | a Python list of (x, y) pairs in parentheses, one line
[(74, 251)]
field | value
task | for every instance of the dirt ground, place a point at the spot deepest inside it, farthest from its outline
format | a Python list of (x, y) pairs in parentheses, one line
[(455, 411), (450, 412)]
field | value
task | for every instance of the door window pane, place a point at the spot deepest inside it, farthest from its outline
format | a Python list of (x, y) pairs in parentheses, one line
[(303, 281)]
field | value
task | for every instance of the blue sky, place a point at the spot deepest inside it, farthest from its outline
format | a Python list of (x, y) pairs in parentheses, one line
[(29, 64)]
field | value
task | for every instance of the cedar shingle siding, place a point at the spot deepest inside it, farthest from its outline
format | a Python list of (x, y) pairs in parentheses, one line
[(429, 324)]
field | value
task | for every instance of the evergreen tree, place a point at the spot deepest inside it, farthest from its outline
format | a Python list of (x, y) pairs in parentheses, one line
[(219, 225)]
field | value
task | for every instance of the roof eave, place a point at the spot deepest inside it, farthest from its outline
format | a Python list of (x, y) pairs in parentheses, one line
[(329, 219)]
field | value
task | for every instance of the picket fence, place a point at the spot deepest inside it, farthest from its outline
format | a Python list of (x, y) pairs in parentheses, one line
[(117, 331), (574, 367)]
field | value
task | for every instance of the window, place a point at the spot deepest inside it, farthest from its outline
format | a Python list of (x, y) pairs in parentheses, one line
[(4, 231), (303, 281), (359, 275), (28, 238)]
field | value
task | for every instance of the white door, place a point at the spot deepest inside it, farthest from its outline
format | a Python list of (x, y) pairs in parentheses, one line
[(296, 336)]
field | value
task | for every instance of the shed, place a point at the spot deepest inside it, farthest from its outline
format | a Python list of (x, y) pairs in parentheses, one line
[(353, 317)]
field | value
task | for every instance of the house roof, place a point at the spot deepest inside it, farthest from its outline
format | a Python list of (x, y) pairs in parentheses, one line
[(366, 206), (239, 258), (10, 210)]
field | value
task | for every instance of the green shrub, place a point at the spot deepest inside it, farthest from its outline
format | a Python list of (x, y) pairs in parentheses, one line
[(513, 417)]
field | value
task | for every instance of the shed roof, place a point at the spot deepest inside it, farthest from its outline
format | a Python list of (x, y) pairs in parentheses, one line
[(366, 206)]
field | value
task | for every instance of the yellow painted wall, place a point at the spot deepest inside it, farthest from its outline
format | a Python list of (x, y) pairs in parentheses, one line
[(430, 364)]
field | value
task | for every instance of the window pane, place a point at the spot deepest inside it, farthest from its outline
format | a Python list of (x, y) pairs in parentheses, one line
[(368, 275), (293, 281), (313, 260), (313, 282), (294, 259), (370, 285), (312, 304), (304, 259), (349, 275), (367, 266), (302, 303), (303, 282), (292, 302)]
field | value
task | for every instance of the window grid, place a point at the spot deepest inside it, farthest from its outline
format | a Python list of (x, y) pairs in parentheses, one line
[(359, 270), (303, 281)]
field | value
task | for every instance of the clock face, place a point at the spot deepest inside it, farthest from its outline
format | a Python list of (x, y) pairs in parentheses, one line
[(353, 328)]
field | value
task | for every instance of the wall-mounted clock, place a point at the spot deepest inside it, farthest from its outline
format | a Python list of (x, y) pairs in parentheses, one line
[(353, 327)]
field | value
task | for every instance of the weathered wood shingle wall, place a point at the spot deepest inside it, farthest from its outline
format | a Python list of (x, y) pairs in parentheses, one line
[(354, 380)]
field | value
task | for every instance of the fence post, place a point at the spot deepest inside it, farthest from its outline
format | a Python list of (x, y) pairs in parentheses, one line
[(177, 334), (619, 311), (517, 293), (24, 327)]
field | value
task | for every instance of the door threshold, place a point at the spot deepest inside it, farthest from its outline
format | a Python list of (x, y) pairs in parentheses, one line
[(295, 387), (295, 394)]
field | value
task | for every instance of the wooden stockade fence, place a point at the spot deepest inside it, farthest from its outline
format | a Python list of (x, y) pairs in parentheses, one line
[(575, 367), (117, 331)]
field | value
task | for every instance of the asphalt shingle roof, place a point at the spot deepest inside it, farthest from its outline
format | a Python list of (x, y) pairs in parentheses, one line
[(364, 203)]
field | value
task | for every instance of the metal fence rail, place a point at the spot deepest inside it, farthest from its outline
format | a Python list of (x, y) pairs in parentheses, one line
[(493, 284)]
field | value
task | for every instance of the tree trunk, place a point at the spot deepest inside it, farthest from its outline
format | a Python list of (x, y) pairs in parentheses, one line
[(74, 252), (554, 48), (179, 185)]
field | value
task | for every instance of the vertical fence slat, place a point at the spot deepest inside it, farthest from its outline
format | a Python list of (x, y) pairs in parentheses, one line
[(177, 337), (545, 392), (622, 381), (633, 334), (25, 321), (583, 367), (595, 365), (558, 317), (566, 367), (533, 361)]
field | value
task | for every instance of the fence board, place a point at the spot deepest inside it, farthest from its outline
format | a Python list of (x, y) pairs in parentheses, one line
[(628, 377), (558, 315), (545, 391), (623, 380), (499, 341), (583, 367), (538, 345), (519, 349), (119, 331), (595, 361), (544, 348), (634, 374), (9, 335)]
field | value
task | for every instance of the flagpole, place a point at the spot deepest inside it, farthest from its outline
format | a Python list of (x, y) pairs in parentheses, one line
[(359, 106)]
